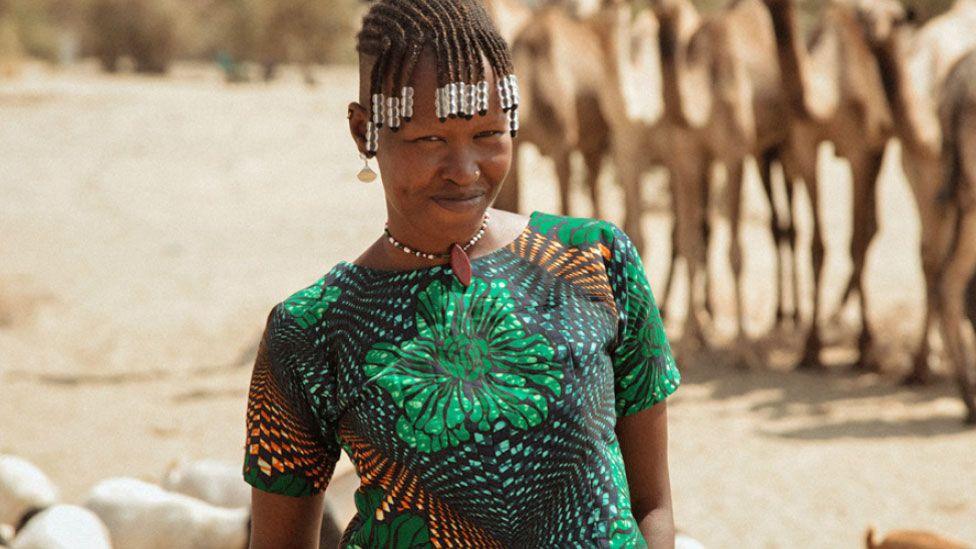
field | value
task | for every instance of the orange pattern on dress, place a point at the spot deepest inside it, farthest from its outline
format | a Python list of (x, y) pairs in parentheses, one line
[(403, 488), (582, 266), (275, 433)]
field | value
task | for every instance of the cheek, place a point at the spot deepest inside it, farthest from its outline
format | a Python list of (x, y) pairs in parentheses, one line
[(498, 160), (402, 168)]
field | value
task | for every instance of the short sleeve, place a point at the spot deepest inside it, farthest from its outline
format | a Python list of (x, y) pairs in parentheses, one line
[(644, 369), (288, 449)]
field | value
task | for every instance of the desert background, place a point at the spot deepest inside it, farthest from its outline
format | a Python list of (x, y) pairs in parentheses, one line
[(148, 223)]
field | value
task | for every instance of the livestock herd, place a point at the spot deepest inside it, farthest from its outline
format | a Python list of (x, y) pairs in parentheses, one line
[(666, 86)]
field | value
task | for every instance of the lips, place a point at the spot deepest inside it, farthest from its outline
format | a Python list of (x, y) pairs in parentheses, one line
[(460, 203), (459, 196)]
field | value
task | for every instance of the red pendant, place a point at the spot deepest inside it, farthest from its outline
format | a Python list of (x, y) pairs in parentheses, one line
[(460, 264)]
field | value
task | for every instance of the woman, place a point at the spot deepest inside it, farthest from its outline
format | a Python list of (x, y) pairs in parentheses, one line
[(499, 380)]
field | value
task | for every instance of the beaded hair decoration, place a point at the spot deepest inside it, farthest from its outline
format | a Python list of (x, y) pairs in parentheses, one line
[(460, 33)]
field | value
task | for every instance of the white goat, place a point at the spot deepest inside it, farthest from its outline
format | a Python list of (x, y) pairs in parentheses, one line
[(63, 527), (684, 541), (213, 481), (140, 515), (221, 483), (23, 488)]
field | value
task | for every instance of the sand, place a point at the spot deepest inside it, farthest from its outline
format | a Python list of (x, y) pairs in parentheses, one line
[(148, 225)]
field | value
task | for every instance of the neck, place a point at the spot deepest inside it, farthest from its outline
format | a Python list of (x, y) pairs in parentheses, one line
[(430, 239)]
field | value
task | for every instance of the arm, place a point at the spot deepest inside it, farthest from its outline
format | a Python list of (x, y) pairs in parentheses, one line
[(289, 452), (285, 522), (643, 440), (645, 374)]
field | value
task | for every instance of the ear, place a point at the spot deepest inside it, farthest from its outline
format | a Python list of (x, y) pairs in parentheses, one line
[(358, 117)]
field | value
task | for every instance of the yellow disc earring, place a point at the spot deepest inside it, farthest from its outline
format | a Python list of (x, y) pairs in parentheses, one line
[(366, 174)]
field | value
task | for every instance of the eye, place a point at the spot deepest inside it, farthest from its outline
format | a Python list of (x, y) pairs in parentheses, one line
[(491, 133), (426, 139)]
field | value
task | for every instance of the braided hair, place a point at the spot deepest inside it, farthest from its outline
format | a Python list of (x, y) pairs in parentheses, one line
[(459, 32)]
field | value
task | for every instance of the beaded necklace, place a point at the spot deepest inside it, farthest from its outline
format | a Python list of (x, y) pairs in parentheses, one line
[(460, 262)]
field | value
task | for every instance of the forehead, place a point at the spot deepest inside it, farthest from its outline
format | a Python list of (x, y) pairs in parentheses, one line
[(423, 77)]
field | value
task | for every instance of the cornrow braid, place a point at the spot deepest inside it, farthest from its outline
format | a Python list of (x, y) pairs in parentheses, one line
[(460, 33), (474, 66)]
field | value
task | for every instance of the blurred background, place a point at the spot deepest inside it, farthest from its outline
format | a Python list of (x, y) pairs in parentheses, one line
[(171, 169), (151, 35)]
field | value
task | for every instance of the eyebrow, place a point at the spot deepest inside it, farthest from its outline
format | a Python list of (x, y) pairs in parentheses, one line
[(480, 125)]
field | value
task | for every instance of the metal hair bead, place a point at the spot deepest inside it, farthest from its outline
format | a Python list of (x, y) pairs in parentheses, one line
[(470, 99), (462, 99), (440, 107), (371, 138), (502, 94), (407, 101), (512, 90), (393, 112), (483, 97), (453, 99), (377, 109), (515, 90), (513, 121)]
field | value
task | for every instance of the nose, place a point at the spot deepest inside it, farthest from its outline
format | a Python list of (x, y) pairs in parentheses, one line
[(461, 167)]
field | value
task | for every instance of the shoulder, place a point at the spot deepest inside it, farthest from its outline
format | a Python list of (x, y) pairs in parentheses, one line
[(304, 309), (309, 304), (581, 232)]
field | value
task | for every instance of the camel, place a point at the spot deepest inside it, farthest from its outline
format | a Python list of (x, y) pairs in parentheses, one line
[(509, 17), (956, 204), (574, 99), (723, 103), (914, 65), (560, 108), (836, 93)]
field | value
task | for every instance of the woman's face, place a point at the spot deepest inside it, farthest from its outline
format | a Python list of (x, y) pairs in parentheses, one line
[(438, 176)]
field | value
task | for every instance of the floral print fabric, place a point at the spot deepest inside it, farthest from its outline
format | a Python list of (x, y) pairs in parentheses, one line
[(479, 416)]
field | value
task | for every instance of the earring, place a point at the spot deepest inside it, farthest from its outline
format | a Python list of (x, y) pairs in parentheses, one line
[(366, 174)]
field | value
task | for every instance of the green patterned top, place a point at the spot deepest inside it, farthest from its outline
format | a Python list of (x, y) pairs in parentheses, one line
[(479, 416)]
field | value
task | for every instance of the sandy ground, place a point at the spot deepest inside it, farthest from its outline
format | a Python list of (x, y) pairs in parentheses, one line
[(149, 225)]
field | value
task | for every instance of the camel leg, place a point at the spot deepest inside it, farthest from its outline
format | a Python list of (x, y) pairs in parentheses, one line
[(564, 176), (508, 196), (921, 373), (593, 159), (691, 243), (626, 161), (685, 176), (959, 270), (864, 172), (706, 236), (971, 302), (766, 176), (789, 237), (811, 349), (971, 307), (936, 238), (671, 264), (744, 356)]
